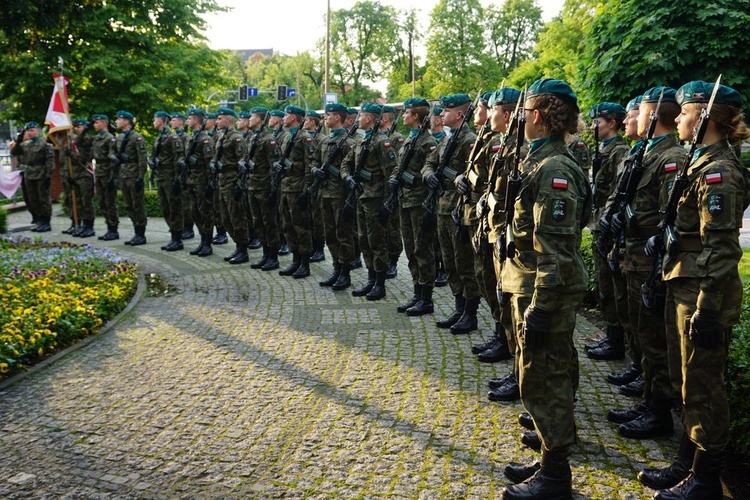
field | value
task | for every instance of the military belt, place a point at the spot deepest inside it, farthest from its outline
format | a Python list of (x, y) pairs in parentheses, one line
[(642, 233), (688, 244)]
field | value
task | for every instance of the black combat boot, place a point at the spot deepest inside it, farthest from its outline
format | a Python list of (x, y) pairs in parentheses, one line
[(176, 243), (241, 256), (634, 389), (88, 229), (291, 268), (496, 383), (468, 321), (378, 291), (206, 250), (704, 482), (197, 250), (233, 254), (525, 421), (413, 300), (519, 473), (392, 271), (662, 479), (334, 276), (272, 262), (356, 263), (630, 374), (424, 305), (506, 392), (552, 480), (441, 278), (254, 241), (78, 230), (627, 415), (364, 290), (499, 351), (221, 237), (111, 234), (139, 238), (72, 229), (613, 349), (262, 262), (656, 421), (303, 271), (43, 226), (187, 233), (283, 247), (344, 280), (455, 315), (532, 440), (318, 254)]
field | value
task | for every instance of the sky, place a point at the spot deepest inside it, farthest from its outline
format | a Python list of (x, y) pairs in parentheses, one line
[(292, 26)]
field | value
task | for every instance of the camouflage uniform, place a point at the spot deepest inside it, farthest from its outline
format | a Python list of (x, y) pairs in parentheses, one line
[(297, 178), (37, 163), (232, 149), (265, 217), (132, 169), (199, 175), (393, 229), (581, 152), (82, 181), (546, 272), (700, 270), (103, 149), (187, 216), (318, 230), (167, 151)]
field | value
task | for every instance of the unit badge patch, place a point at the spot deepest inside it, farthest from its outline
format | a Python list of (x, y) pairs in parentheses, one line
[(558, 210), (715, 204)]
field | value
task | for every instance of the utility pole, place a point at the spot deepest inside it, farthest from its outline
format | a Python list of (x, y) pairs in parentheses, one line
[(328, 47)]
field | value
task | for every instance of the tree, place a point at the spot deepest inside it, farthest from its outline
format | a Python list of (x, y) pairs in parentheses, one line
[(132, 54), (361, 39), (512, 31), (302, 72), (456, 57), (632, 46)]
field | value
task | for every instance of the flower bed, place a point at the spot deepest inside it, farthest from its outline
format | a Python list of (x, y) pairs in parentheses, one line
[(53, 294)]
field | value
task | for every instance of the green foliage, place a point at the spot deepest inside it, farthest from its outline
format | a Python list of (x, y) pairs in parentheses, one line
[(588, 260), (303, 72), (151, 202), (3, 221), (632, 46), (512, 32), (136, 55), (738, 377)]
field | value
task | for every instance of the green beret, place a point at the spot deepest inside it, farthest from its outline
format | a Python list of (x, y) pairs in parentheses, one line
[(554, 87), (161, 114), (196, 112), (99, 116), (606, 109), (125, 114), (336, 108), (700, 91), (295, 110), (504, 95), (226, 112), (371, 107), (245, 114), (180, 115), (652, 95), (211, 116), (258, 109), (416, 102), (276, 112), (634, 103), (80, 121), (451, 101), (437, 110), (314, 114), (351, 111), (389, 109), (485, 98)]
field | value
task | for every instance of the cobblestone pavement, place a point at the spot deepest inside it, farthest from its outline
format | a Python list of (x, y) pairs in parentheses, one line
[(239, 383)]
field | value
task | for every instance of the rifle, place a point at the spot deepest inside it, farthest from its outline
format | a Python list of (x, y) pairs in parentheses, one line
[(505, 244), (458, 210), (216, 166), (443, 170), (612, 234), (389, 207), (666, 238), (285, 164), (115, 160), (350, 204), (303, 199), (180, 181), (393, 126), (481, 242), (155, 161), (596, 163), (247, 166)]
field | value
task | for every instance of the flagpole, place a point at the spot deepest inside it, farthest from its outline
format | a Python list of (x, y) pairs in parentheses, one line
[(73, 197)]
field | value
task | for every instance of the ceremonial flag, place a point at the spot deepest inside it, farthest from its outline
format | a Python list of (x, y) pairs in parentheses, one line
[(9, 182), (58, 116)]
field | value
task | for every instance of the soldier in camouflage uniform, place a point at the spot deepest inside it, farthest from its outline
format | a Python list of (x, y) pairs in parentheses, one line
[(276, 126), (339, 230), (166, 154), (608, 118), (178, 125), (417, 228), (83, 177), (579, 148), (547, 279), (229, 161), (37, 164), (312, 125), (264, 150), (106, 174), (294, 168), (221, 233), (455, 246), (366, 180), (131, 153), (200, 152), (393, 230), (438, 132)]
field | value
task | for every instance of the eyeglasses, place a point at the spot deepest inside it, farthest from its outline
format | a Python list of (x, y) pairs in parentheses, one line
[(529, 110)]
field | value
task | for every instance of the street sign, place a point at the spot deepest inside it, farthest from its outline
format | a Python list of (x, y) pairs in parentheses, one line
[(290, 92), (331, 98), (252, 92)]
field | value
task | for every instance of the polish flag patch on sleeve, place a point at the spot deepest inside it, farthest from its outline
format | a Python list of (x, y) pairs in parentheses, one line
[(581, 144), (670, 167), (386, 144), (559, 183), (714, 178), (496, 148)]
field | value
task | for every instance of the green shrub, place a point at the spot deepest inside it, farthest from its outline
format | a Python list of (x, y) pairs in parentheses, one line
[(738, 380), (3, 221), (588, 259), (151, 200)]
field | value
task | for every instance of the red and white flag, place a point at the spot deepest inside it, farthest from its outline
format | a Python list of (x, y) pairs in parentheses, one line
[(58, 115)]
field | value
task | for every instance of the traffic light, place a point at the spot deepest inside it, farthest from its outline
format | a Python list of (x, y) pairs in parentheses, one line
[(243, 92), (281, 93)]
